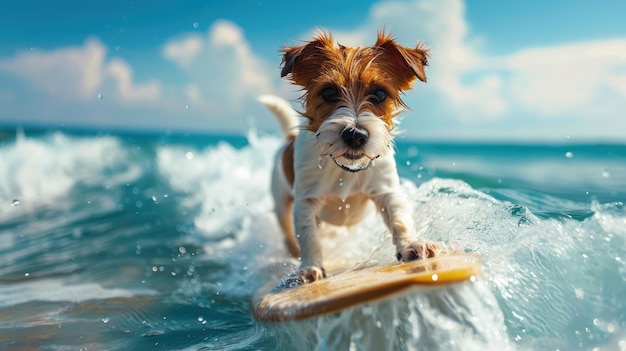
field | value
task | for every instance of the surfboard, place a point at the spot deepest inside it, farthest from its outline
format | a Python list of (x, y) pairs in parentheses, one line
[(349, 288)]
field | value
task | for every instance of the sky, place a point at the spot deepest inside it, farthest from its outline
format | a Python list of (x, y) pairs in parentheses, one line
[(521, 71)]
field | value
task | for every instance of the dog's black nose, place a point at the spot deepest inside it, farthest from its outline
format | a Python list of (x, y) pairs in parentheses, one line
[(355, 137)]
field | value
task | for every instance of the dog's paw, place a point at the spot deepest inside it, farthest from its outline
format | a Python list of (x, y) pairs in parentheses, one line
[(303, 276), (422, 249), (311, 274)]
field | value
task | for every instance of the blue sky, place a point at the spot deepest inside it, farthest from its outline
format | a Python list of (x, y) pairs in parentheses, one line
[(513, 71)]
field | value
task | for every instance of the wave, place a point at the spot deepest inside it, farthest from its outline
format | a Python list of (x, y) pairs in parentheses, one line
[(549, 281), (43, 170), (553, 278), (59, 290)]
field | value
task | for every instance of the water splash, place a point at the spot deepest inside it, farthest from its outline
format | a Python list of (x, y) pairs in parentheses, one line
[(460, 317)]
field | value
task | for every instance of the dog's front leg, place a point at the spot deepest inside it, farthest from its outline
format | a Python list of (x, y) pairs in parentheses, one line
[(306, 224), (396, 213)]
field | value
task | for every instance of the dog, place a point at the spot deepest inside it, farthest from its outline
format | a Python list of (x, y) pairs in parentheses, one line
[(343, 157)]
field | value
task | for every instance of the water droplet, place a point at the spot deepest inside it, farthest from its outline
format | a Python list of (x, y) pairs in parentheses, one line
[(100, 96), (187, 107), (196, 24), (347, 206), (182, 250), (77, 233), (569, 154), (15, 202), (606, 173), (189, 155), (106, 320), (200, 318), (340, 182), (319, 163), (245, 268), (154, 198), (408, 162)]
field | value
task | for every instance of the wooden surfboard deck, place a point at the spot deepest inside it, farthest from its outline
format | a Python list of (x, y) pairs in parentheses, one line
[(354, 287)]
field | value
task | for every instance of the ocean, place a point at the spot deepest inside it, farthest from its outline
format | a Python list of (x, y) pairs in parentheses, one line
[(137, 241)]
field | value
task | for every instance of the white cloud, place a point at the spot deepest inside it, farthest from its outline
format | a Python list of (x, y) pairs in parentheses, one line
[(71, 73), (80, 74), (441, 25), (551, 82), (183, 51), (568, 79), (223, 79), (224, 74), (581, 86), (122, 74)]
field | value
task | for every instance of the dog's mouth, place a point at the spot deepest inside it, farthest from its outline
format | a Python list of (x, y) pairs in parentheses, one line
[(354, 166)]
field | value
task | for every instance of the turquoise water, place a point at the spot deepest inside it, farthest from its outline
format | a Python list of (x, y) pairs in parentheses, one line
[(133, 242)]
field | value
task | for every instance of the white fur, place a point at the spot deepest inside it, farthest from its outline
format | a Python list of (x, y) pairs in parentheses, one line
[(321, 187), (287, 117), (329, 141)]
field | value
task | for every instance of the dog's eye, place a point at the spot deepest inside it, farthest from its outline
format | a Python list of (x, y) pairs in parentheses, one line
[(330, 94), (379, 95)]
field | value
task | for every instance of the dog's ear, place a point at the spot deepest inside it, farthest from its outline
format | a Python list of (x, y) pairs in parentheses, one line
[(405, 63), (304, 62), (291, 53)]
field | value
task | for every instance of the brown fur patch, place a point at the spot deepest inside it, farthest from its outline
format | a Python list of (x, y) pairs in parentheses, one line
[(287, 162), (356, 73)]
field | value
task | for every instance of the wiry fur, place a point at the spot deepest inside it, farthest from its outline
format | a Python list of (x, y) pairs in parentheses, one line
[(343, 153)]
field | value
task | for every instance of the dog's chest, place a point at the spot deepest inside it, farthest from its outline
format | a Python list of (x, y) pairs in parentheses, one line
[(326, 179), (344, 212)]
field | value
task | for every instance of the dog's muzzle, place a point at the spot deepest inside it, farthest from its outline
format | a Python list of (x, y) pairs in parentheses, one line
[(356, 169)]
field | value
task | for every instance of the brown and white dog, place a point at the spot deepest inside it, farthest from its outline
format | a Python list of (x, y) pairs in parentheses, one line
[(343, 156)]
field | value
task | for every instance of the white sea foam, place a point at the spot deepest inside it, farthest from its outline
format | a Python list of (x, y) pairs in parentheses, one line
[(225, 184), (546, 280), (227, 190), (460, 317), (61, 290), (556, 283), (43, 170)]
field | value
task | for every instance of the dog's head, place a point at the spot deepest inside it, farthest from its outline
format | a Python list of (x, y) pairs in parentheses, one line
[(352, 94)]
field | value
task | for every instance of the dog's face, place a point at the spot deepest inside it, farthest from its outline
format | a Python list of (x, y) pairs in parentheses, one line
[(353, 93)]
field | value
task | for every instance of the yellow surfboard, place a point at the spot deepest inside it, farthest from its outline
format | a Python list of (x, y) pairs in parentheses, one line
[(350, 288)]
